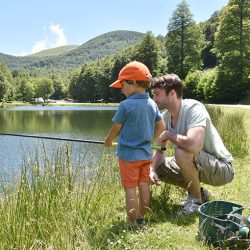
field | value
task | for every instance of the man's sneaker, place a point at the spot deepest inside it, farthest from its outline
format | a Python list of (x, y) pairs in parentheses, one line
[(205, 195), (191, 206), (182, 203)]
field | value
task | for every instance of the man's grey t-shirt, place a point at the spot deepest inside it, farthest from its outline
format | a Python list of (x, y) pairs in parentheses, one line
[(194, 114)]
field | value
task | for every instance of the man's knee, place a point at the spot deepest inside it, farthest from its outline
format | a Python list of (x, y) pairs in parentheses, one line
[(169, 172), (183, 157)]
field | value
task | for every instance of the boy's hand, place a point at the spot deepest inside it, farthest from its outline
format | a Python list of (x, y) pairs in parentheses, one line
[(113, 133), (108, 143), (154, 177)]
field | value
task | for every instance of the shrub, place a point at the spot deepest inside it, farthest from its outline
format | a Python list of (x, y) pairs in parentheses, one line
[(191, 84)]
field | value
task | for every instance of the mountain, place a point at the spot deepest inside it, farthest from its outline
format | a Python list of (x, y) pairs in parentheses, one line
[(55, 51), (42, 63)]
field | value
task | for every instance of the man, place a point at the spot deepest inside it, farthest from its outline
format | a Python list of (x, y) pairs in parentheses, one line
[(200, 155)]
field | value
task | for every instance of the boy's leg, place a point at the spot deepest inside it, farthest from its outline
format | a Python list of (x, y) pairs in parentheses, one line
[(129, 173), (144, 197), (131, 204), (144, 191)]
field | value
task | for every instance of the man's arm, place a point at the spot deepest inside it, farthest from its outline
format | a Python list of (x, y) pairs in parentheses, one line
[(192, 142), (113, 133)]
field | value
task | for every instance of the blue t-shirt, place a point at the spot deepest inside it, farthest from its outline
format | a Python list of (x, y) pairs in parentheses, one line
[(137, 114)]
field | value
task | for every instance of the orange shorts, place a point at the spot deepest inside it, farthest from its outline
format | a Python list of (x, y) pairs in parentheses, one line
[(134, 172)]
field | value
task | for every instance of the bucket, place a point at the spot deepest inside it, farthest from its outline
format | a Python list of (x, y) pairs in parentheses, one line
[(213, 219)]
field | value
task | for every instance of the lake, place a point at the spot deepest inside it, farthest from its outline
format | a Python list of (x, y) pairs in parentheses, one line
[(77, 122)]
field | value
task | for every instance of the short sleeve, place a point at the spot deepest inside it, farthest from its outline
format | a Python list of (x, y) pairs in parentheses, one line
[(158, 115), (120, 115), (196, 117)]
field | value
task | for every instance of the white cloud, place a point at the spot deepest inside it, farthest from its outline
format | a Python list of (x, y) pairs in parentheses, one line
[(53, 37), (60, 38), (39, 45)]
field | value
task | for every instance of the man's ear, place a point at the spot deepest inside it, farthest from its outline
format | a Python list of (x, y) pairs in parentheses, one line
[(172, 92)]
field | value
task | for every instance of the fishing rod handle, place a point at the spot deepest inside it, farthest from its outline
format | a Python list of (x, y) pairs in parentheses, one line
[(158, 148)]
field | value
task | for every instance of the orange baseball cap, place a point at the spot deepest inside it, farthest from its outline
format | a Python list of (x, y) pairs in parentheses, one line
[(132, 71)]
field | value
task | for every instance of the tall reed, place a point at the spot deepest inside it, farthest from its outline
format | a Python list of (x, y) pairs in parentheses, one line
[(58, 204), (231, 129)]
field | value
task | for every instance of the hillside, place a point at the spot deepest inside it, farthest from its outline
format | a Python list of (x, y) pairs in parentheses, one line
[(98, 47), (55, 51)]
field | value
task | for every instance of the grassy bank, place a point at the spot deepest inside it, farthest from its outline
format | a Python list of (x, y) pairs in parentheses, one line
[(62, 204)]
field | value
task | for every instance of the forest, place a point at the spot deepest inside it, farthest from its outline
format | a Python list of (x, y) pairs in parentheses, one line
[(212, 58)]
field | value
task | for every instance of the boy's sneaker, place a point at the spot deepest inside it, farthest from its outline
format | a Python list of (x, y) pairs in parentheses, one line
[(140, 222), (205, 195), (191, 206)]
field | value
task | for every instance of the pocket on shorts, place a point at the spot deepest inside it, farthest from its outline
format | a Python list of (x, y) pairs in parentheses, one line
[(214, 171)]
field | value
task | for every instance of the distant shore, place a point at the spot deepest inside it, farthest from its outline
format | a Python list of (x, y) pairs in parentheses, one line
[(57, 103), (71, 103)]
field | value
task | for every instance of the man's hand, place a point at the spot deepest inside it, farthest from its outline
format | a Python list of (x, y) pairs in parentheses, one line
[(163, 137), (154, 177)]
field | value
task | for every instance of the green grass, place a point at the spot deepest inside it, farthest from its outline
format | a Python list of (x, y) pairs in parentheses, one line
[(62, 204)]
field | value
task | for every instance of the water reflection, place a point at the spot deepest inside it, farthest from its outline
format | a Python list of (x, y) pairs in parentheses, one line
[(64, 119), (79, 122)]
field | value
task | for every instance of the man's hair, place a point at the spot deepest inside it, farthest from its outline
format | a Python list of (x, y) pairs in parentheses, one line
[(143, 84), (168, 82)]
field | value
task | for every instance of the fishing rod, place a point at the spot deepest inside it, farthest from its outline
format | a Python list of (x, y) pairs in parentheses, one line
[(71, 140)]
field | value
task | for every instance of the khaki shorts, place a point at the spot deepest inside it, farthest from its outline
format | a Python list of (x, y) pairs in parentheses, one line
[(212, 170)]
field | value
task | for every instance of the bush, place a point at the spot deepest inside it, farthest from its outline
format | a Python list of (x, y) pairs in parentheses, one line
[(201, 85), (209, 79), (191, 83)]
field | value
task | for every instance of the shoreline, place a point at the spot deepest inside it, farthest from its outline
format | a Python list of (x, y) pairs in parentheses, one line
[(58, 103)]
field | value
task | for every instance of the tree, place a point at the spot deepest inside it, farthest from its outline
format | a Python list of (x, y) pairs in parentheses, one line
[(73, 83), (60, 88), (103, 92), (184, 42), (6, 86), (86, 83), (44, 88), (209, 27), (147, 52), (25, 89), (233, 49)]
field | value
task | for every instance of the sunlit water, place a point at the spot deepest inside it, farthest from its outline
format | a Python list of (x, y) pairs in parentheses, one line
[(78, 122)]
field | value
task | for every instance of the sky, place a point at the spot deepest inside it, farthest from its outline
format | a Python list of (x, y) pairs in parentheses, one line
[(29, 26)]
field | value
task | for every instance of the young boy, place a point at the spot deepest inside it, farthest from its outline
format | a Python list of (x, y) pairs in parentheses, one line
[(137, 121)]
